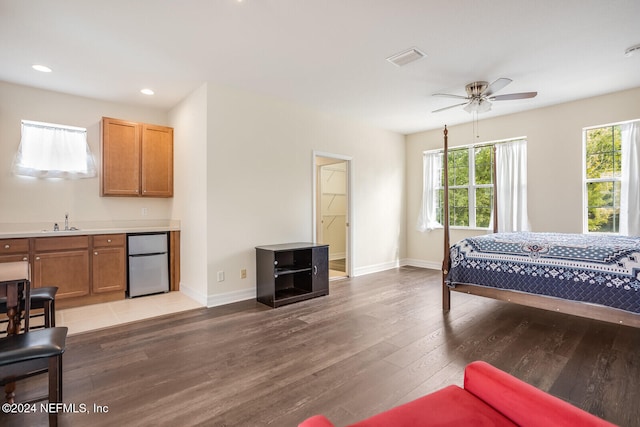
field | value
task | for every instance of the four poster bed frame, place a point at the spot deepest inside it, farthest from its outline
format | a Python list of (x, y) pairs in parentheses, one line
[(583, 309)]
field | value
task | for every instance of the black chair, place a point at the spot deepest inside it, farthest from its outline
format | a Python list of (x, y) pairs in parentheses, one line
[(33, 353), (41, 299), (30, 353)]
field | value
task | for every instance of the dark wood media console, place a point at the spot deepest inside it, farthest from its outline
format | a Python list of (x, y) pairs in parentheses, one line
[(291, 272)]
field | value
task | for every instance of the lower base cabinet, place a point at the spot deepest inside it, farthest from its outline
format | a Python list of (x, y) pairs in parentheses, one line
[(108, 269), (62, 262), (291, 272), (85, 268)]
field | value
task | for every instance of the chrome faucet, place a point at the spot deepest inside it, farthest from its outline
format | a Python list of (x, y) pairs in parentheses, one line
[(66, 221)]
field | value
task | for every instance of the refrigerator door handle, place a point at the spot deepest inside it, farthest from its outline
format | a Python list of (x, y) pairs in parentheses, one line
[(149, 254)]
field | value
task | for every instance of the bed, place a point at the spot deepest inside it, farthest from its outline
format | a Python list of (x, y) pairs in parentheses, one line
[(594, 276)]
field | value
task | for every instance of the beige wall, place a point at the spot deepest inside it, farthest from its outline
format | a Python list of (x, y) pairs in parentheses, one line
[(27, 200), (260, 189), (244, 171), (554, 148), (243, 177), (189, 120)]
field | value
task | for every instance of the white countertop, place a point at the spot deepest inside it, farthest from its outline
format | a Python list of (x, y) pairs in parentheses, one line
[(23, 230)]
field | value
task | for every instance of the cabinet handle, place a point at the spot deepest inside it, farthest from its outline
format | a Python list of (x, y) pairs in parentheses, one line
[(95, 253), (315, 270), (24, 259), (7, 246), (37, 258), (108, 240)]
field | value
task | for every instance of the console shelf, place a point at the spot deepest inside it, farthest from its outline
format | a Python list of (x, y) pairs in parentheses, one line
[(291, 272)]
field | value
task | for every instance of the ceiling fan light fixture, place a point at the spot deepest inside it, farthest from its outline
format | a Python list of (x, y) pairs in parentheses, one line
[(632, 50), (406, 57), (477, 105), (480, 94)]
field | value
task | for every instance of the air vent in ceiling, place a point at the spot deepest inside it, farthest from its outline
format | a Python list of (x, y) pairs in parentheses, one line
[(405, 57)]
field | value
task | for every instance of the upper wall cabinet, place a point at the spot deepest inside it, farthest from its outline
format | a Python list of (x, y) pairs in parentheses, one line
[(137, 159)]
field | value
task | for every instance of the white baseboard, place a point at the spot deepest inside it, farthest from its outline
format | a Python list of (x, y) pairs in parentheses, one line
[(360, 271), (231, 297), (250, 293), (422, 264), (193, 294), (395, 264)]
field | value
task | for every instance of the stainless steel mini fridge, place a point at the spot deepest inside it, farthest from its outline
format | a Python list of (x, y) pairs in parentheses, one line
[(148, 264)]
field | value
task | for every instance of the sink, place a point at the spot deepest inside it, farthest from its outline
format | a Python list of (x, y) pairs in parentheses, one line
[(61, 231)]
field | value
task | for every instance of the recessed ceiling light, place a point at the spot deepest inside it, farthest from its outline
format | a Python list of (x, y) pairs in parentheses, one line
[(41, 68), (147, 91), (633, 49)]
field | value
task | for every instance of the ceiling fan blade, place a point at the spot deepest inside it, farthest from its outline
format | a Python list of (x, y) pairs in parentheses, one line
[(496, 86), (509, 96), (451, 106), (448, 95)]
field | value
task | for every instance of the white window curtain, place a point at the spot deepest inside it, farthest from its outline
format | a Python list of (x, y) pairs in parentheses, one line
[(511, 186), (53, 151), (427, 218), (630, 185)]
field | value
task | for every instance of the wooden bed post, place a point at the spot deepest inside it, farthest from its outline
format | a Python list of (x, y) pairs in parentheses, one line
[(446, 292), (495, 190)]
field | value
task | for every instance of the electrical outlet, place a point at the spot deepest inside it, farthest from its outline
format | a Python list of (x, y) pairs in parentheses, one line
[(144, 212), (220, 276), (243, 273)]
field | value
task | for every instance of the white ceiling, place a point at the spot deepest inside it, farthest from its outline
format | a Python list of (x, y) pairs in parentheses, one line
[(328, 55)]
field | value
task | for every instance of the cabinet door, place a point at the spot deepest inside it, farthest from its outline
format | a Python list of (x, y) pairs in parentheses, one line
[(320, 260), (109, 273), (68, 270), (120, 158), (157, 161)]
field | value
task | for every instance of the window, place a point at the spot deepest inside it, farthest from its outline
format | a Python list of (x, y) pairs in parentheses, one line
[(602, 176), (470, 187), (53, 151)]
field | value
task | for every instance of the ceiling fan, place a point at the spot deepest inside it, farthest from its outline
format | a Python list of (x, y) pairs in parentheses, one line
[(480, 95)]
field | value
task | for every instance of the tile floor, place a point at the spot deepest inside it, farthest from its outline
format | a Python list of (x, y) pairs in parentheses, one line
[(98, 316)]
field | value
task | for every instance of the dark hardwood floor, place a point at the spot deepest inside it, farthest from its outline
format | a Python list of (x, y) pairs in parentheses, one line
[(376, 341)]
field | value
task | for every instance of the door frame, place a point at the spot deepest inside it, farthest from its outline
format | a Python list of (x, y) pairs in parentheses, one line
[(349, 219)]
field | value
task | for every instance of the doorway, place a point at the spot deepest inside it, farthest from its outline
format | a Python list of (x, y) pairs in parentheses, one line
[(332, 206)]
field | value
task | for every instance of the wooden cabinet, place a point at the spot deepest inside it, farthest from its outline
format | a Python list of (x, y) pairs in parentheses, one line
[(87, 269), (62, 262), (108, 263), (120, 158), (291, 272), (137, 159), (12, 250), (157, 161)]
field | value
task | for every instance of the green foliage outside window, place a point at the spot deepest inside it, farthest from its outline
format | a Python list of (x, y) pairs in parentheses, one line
[(469, 181), (603, 163)]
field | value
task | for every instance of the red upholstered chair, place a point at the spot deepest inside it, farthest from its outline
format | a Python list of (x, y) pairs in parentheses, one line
[(490, 397)]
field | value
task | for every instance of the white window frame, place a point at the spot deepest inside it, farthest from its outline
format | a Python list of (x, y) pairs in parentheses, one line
[(586, 181), (472, 186)]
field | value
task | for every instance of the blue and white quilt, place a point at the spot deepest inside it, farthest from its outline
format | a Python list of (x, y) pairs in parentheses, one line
[(588, 268)]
